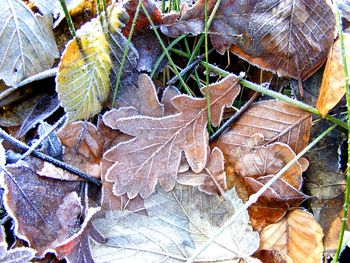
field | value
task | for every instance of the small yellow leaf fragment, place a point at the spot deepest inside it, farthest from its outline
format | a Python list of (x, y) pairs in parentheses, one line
[(333, 82), (298, 237)]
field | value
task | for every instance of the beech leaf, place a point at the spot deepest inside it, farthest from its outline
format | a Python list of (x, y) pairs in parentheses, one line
[(155, 151), (291, 38), (83, 79), (275, 120), (43, 222), (178, 222), (333, 81), (298, 237), (27, 44)]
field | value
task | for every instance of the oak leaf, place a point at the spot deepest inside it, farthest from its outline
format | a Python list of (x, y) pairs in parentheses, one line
[(291, 38), (155, 151), (177, 223), (275, 120), (298, 237), (333, 81)]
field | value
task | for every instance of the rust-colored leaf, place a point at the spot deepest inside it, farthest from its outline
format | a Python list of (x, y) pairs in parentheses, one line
[(333, 82), (46, 211), (298, 237), (212, 180), (275, 120), (291, 38), (155, 152)]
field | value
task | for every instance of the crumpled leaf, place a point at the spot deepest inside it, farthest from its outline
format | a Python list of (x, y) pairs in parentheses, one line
[(291, 38), (83, 79), (155, 152), (18, 255), (27, 44), (46, 211), (212, 180), (257, 164), (333, 82), (76, 249), (51, 144), (298, 237), (44, 107), (275, 120), (142, 21), (178, 222)]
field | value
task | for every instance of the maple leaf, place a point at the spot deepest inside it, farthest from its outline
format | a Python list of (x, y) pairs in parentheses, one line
[(155, 152), (291, 38), (275, 120)]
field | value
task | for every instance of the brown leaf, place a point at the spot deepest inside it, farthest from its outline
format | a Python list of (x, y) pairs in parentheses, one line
[(76, 249), (298, 237), (270, 256), (212, 180), (275, 120), (291, 38), (333, 82), (155, 152), (142, 22), (46, 211)]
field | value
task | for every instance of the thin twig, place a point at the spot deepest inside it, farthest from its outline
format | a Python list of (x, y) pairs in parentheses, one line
[(228, 123), (43, 137), (47, 158)]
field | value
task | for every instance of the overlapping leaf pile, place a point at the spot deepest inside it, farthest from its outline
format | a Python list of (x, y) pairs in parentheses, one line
[(165, 190)]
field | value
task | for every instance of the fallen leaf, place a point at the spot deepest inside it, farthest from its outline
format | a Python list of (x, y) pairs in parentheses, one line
[(155, 152), (2, 155), (298, 237), (83, 80), (212, 180), (178, 222), (51, 145), (18, 255), (333, 82), (275, 120), (270, 256), (44, 107), (43, 222), (76, 249), (142, 22), (27, 45), (291, 38)]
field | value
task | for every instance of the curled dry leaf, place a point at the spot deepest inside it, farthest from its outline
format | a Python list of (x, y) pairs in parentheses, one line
[(275, 120), (27, 44), (178, 222), (43, 222), (291, 38), (212, 180), (155, 151), (298, 237), (83, 79), (255, 165), (333, 82)]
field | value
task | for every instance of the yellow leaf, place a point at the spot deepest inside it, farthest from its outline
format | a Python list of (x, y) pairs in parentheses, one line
[(298, 237), (333, 82), (83, 82)]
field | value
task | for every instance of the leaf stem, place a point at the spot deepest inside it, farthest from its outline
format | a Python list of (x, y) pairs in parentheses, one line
[(347, 87), (42, 156), (126, 50), (254, 197), (171, 62), (68, 18)]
